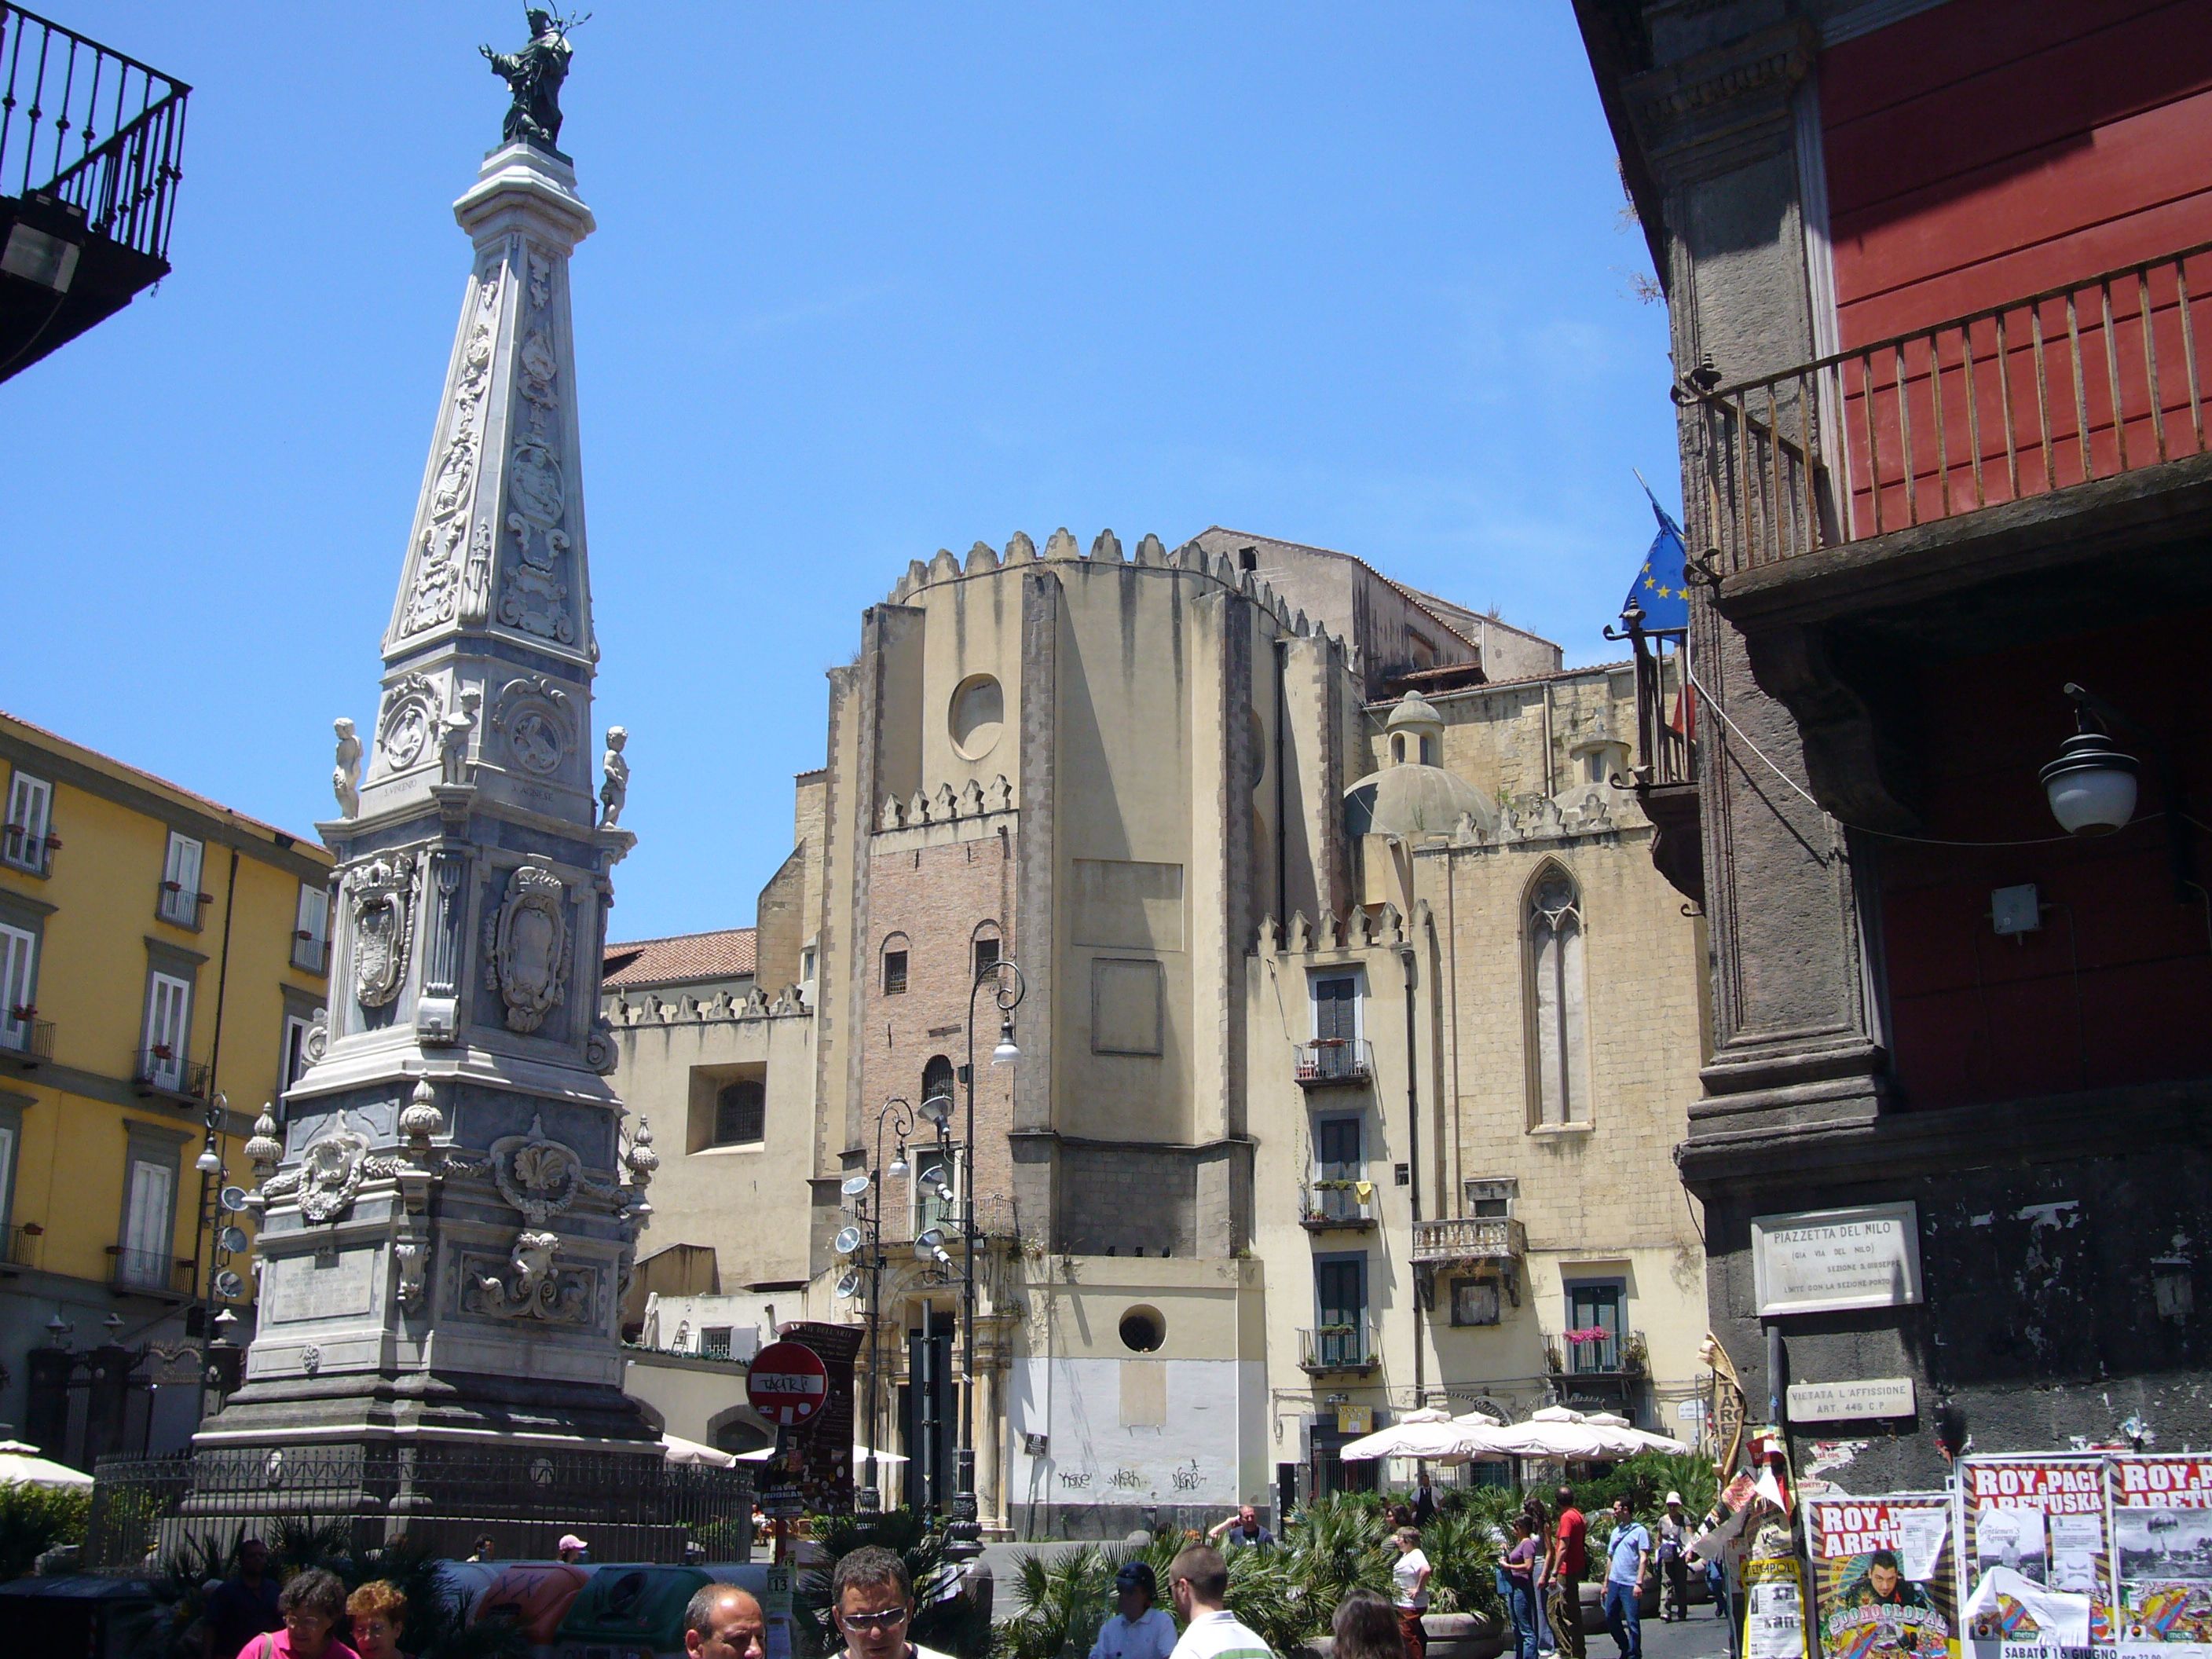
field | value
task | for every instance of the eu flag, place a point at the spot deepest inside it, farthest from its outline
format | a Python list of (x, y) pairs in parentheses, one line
[(1662, 587)]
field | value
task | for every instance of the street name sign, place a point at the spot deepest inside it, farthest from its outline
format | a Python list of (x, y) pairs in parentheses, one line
[(1823, 1261)]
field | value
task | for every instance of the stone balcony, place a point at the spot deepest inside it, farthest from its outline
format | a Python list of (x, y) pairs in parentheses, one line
[(1465, 1240)]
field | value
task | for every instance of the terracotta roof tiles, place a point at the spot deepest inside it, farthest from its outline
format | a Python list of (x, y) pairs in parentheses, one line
[(722, 955)]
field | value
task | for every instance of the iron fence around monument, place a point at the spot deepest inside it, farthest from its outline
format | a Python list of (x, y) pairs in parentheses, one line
[(195, 1507)]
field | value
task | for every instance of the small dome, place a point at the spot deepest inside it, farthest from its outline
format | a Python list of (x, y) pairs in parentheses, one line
[(1415, 802), (1414, 713)]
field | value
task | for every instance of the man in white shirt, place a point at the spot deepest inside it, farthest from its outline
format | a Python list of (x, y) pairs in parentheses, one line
[(1198, 1580), (1137, 1629), (871, 1601)]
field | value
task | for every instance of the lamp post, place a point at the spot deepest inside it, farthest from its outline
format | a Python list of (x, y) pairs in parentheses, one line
[(866, 1192), (215, 1287), (964, 1536)]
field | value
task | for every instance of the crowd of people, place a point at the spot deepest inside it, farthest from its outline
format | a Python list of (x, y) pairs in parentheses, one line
[(1543, 1560), (249, 1617)]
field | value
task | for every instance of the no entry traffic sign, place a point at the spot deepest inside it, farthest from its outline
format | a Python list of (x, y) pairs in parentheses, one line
[(788, 1383)]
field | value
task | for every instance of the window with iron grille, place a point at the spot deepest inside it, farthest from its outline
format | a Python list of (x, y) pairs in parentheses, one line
[(986, 955), (715, 1342), (895, 967), (741, 1113)]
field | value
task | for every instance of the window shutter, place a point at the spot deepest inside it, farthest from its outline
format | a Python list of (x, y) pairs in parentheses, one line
[(18, 951), (146, 1231), (169, 1005), (30, 801)]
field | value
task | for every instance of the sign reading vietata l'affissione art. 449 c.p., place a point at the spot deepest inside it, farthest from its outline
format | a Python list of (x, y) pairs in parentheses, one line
[(1817, 1261)]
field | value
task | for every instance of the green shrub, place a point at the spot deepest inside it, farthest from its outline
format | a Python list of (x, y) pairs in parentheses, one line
[(34, 1519)]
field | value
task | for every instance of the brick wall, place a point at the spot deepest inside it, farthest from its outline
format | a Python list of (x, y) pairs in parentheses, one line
[(936, 891)]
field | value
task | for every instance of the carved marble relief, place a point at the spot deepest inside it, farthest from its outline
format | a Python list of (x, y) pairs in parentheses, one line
[(412, 708), (442, 583), (532, 715), (525, 947), (330, 1173), (533, 1287), (382, 894), (537, 1175), (535, 596)]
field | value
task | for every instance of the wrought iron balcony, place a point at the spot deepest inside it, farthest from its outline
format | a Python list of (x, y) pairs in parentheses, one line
[(153, 1272), (19, 1246), (154, 1073), (181, 906), (1335, 1063), (2040, 394), (1332, 1204), (1466, 1239), (1353, 1347), (91, 143), (26, 1040), (22, 850)]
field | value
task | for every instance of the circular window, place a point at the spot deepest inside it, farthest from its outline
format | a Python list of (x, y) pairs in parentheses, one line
[(1143, 1330), (978, 708)]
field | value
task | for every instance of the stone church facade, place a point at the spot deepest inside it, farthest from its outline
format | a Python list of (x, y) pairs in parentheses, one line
[(1351, 1006)]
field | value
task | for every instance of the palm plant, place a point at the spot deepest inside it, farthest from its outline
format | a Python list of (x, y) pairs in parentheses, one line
[(1062, 1601)]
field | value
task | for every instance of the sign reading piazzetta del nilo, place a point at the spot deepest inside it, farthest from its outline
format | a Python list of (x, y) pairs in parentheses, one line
[(1816, 1260)]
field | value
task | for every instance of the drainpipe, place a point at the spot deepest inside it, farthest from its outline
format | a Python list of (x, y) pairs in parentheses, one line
[(1282, 829), (1413, 1162)]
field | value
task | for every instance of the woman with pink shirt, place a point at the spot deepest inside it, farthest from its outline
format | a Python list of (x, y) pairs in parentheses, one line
[(311, 1605)]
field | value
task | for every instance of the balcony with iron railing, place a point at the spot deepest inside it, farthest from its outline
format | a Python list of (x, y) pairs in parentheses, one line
[(1354, 1347), (1337, 1205), (25, 1040), (180, 906), (21, 848), (91, 146), (19, 1245), (156, 1070), (2089, 381), (1335, 1063), (151, 1272)]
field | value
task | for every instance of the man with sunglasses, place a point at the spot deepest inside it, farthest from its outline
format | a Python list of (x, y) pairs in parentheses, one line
[(872, 1599)]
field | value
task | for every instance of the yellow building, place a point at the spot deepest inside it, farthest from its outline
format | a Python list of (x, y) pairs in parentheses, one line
[(160, 955)]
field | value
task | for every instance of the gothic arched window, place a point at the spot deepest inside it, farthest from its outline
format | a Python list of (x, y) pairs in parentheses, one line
[(1558, 1071)]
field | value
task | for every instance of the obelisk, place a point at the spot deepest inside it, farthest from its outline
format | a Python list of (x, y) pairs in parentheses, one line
[(450, 1203)]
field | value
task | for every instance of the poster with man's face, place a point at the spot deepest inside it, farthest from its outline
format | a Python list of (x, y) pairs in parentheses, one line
[(1883, 1582)]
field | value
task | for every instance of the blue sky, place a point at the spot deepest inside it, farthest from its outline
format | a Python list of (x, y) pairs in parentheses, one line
[(868, 280)]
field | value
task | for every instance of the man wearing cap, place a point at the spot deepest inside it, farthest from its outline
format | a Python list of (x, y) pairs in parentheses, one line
[(1674, 1560), (1137, 1629), (571, 1548)]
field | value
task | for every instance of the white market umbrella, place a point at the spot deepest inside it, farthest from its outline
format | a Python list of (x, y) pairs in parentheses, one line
[(860, 1456), (1557, 1431), (677, 1450), (20, 1463), (1430, 1441)]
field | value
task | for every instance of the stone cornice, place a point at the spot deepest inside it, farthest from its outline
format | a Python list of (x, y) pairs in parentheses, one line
[(1708, 114)]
